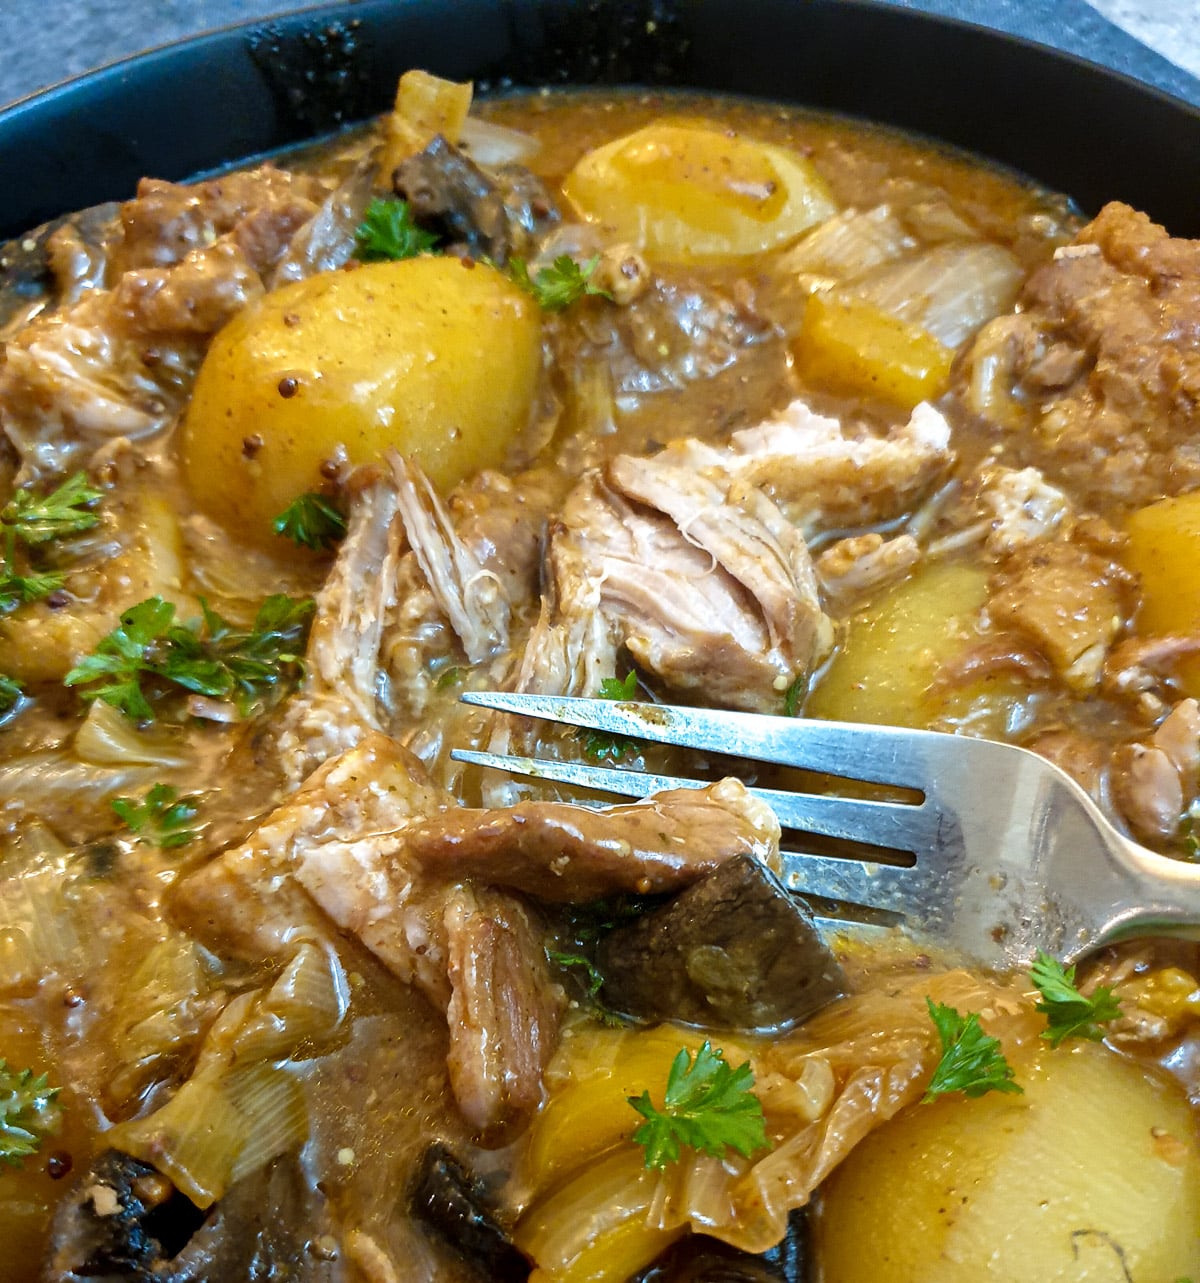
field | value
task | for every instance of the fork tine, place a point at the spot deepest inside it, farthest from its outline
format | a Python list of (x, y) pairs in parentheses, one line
[(880, 754), (898, 826), (855, 883), (875, 886)]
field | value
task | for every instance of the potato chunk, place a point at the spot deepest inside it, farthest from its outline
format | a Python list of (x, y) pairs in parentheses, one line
[(1164, 552), (682, 192), (849, 345), (430, 356), (1093, 1174)]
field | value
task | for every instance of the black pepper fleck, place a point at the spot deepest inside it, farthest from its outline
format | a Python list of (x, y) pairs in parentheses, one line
[(288, 386)]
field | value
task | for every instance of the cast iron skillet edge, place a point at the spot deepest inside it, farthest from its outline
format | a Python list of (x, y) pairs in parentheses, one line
[(252, 88)]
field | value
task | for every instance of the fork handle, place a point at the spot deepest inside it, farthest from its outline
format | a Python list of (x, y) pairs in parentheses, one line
[(1162, 897)]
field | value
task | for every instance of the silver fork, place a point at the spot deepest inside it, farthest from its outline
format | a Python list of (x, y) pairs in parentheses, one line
[(1008, 854)]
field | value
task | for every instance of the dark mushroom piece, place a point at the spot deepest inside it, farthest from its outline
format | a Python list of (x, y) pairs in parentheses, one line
[(734, 951), (453, 1203), (700, 1259), (493, 214)]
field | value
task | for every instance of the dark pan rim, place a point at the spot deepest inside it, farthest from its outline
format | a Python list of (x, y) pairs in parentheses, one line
[(226, 95)]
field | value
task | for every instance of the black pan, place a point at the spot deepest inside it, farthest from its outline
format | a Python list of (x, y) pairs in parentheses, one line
[(250, 89)]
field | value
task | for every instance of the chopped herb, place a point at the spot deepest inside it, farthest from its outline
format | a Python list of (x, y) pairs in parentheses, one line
[(31, 520), (311, 520), (1068, 1013), (10, 694), (28, 1113), (388, 233), (595, 980), (972, 1061), (558, 286), (209, 656), (18, 590), (708, 1106), (162, 816), (795, 693), (451, 676), (37, 519), (600, 745)]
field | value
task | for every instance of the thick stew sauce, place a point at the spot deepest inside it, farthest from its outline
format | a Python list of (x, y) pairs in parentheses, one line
[(641, 397)]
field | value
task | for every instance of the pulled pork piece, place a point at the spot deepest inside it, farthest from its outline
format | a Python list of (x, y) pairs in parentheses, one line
[(1104, 355), (711, 590), (495, 214), (428, 888), (563, 854), (854, 568), (1155, 783), (119, 362), (504, 1007), (1071, 603), (410, 583), (823, 478)]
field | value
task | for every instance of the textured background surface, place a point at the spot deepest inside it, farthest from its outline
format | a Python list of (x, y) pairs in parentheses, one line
[(44, 41)]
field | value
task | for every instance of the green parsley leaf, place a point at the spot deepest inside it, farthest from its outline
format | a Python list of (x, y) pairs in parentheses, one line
[(600, 745), (595, 980), (18, 590), (708, 1106), (148, 651), (37, 519), (311, 520), (162, 815), (449, 677), (558, 286), (1068, 1013), (388, 233), (972, 1061), (10, 694), (28, 1113), (795, 693)]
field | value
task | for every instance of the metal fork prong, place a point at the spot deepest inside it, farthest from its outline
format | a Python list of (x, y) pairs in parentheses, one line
[(898, 826), (880, 754), (875, 886)]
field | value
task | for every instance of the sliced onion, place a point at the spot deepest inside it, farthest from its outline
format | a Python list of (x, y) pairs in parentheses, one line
[(490, 144), (106, 738), (949, 291), (847, 245)]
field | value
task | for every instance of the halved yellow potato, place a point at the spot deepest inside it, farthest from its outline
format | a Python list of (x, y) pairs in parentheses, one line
[(681, 191), (1092, 1176), (432, 357)]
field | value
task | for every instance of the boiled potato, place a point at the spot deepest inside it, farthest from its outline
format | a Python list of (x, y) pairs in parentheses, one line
[(1092, 1176), (434, 358), (849, 345), (886, 666), (683, 192), (1164, 551)]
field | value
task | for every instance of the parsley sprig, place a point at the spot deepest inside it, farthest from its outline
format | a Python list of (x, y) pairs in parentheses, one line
[(311, 520), (600, 746), (1068, 1013), (10, 694), (562, 283), (591, 973), (162, 816), (29, 520), (148, 651), (708, 1106), (388, 233), (972, 1061), (28, 1113), (37, 519)]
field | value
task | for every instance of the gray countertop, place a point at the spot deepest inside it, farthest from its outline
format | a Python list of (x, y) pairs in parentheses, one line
[(44, 41)]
